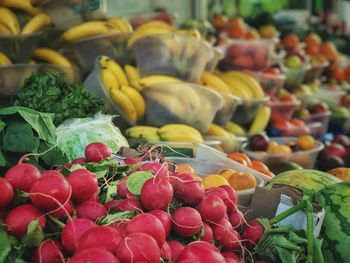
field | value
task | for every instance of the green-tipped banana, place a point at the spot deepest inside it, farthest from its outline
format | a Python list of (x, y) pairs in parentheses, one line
[(235, 129), (261, 120)]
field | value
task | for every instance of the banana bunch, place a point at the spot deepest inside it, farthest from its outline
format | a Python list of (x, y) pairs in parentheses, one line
[(146, 133), (157, 79), (213, 82), (9, 23), (217, 131), (115, 81), (4, 60), (94, 28), (179, 133), (235, 128), (241, 85)]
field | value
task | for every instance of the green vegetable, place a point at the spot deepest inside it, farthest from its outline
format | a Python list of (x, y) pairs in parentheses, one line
[(52, 93), (136, 180), (10, 248)]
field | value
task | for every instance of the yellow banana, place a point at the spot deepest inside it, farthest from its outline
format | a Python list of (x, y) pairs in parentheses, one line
[(155, 79), (24, 5), (235, 129), (116, 69), (178, 136), (4, 60), (136, 99), (51, 56), (261, 120), (138, 34), (236, 86), (133, 75), (137, 130), (9, 19), (180, 128), (251, 83), (211, 81), (216, 130), (4, 30), (109, 80), (120, 22), (125, 104), (89, 29), (193, 32), (154, 23), (37, 23)]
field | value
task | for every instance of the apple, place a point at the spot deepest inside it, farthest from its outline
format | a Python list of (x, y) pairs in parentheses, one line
[(293, 62), (330, 162), (318, 108), (258, 142), (343, 140), (334, 149), (340, 112)]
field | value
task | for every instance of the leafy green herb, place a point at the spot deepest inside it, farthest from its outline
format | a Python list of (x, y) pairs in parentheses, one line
[(118, 216), (52, 93)]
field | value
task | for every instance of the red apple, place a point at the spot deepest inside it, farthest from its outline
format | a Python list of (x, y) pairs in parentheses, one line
[(343, 140), (334, 149), (318, 108)]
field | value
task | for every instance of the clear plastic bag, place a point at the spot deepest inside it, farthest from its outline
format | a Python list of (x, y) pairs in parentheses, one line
[(74, 134)]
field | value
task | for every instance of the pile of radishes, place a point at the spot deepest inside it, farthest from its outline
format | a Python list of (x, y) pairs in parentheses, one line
[(175, 218)]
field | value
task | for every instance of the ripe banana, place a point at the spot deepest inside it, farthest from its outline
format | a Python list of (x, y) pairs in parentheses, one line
[(180, 128), (51, 56), (178, 136), (4, 30), (115, 68), (251, 83), (148, 137), (235, 129), (261, 120), (138, 34), (154, 23), (155, 79), (37, 23), (211, 81), (133, 75), (236, 86), (9, 19), (193, 32), (121, 23), (4, 60), (141, 129), (109, 80), (89, 29), (125, 104), (24, 5), (136, 99), (216, 130)]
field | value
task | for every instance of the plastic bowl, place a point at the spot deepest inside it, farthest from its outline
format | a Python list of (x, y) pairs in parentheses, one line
[(230, 144), (170, 54), (271, 83), (19, 48), (224, 115), (295, 77), (252, 55), (306, 159), (167, 103), (282, 110), (246, 112), (68, 13), (213, 63), (94, 84), (12, 76), (315, 72), (322, 118), (327, 94), (111, 45)]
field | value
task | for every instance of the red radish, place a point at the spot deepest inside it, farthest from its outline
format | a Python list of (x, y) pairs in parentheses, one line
[(148, 224), (94, 255), (231, 194), (138, 247), (252, 233), (231, 255), (50, 192), (212, 208), (18, 219), (93, 198), (99, 236), (122, 189), (236, 218), (222, 194), (187, 221), (121, 227), (22, 176), (156, 194), (231, 260), (129, 160), (187, 188), (72, 231), (208, 233), (49, 251), (7, 193), (51, 172), (80, 160), (165, 251), (96, 152), (227, 237), (164, 218), (113, 204), (201, 252), (158, 169), (62, 213), (3, 214), (176, 248), (124, 205), (84, 184), (91, 210), (224, 222)]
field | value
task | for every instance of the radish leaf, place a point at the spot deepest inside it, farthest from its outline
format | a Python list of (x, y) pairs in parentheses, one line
[(136, 180)]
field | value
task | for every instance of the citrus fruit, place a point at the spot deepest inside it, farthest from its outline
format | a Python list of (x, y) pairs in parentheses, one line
[(242, 181), (213, 180), (306, 142)]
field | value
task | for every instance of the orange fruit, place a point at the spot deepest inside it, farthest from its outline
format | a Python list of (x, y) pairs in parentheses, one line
[(237, 32), (184, 168), (279, 149), (219, 21), (306, 142), (271, 144), (226, 173), (290, 41), (261, 167), (329, 51), (242, 181), (312, 50), (312, 40), (252, 34), (337, 73), (240, 158), (213, 180), (347, 73), (236, 22)]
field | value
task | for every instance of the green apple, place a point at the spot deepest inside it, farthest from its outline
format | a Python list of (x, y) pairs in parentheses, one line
[(293, 62), (340, 112)]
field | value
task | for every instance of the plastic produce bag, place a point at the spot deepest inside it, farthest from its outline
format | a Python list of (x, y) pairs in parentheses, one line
[(74, 134)]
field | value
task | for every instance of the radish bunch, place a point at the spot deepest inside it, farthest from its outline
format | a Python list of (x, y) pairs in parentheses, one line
[(171, 217)]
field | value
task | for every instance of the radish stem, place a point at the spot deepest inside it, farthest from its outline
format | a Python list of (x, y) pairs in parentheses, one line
[(56, 221), (288, 212)]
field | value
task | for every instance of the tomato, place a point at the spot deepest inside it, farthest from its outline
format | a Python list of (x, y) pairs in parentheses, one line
[(274, 71), (291, 41), (297, 122), (288, 98), (281, 124)]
